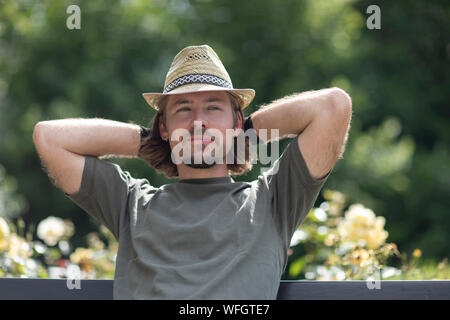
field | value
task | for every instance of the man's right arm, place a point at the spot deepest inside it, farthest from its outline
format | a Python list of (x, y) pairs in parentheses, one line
[(62, 145)]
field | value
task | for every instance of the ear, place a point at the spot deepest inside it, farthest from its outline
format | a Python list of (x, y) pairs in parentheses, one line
[(163, 132)]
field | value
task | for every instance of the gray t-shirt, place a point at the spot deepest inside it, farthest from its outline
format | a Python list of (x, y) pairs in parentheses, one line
[(210, 238)]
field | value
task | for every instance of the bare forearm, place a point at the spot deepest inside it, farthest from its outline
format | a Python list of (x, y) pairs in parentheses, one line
[(292, 114), (97, 137)]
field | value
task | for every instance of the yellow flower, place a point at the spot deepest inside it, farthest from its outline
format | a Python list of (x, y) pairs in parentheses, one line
[(360, 223), (4, 234), (335, 200), (333, 195), (83, 257), (417, 253), (95, 242), (333, 259), (81, 254), (19, 247), (68, 228), (360, 257), (376, 238), (330, 240)]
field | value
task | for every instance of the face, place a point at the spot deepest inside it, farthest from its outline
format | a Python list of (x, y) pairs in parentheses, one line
[(196, 113)]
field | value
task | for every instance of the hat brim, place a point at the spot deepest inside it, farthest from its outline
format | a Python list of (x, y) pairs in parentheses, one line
[(245, 95)]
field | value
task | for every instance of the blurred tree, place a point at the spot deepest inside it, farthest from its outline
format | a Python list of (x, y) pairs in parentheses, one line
[(396, 160)]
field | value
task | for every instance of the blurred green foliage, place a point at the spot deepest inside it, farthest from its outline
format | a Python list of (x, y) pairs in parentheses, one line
[(397, 156)]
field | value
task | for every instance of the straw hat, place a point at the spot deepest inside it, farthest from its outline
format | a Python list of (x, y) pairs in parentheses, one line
[(195, 69)]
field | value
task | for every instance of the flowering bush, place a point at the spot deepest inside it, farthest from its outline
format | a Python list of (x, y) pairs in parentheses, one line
[(53, 258), (331, 244), (335, 245)]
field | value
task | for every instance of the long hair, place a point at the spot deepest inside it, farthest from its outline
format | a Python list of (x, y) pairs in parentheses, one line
[(157, 153)]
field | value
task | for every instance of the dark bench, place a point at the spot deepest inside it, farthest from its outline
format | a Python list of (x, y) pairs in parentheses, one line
[(45, 289)]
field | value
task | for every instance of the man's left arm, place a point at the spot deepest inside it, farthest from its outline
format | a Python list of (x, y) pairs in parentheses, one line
[(321, 119)]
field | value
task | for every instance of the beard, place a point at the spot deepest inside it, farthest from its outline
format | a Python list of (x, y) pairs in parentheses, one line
[(202, 165)]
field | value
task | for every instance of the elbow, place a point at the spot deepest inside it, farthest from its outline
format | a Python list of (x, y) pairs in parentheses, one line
[(338, 106), (38, 132), (340, 99)]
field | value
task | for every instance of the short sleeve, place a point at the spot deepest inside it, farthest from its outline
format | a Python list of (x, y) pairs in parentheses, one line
[(104, 192), (291, 190)]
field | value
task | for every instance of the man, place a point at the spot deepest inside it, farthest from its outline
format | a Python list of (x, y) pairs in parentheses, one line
[(205, 236)]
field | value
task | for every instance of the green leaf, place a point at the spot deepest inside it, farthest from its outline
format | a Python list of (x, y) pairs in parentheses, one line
[(297, 266)]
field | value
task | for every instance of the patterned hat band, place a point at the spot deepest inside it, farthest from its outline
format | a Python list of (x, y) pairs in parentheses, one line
[(197, 78)]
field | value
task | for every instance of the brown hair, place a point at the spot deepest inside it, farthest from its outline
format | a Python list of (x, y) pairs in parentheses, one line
[(157, 153)]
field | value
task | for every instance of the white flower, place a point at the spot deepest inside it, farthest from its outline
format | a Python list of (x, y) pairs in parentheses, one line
[(322, 230), (56, 272), (329, 274), (324, 206), (297, 237), (320, 214), (390, 271), (338, 274), (51, 230)]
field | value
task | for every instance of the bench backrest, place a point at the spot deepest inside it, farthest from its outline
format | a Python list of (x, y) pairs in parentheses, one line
[(44, 289)]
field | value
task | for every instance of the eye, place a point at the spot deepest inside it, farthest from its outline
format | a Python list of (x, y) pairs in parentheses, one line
[(183, 109), (214, 108)]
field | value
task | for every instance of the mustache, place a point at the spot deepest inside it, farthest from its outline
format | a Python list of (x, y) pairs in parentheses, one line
[(208, 133), (191, 134)]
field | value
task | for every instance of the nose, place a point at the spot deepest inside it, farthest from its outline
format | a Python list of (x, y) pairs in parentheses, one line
[(199, 122), (198, 127)]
